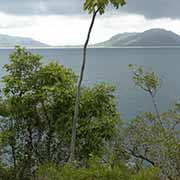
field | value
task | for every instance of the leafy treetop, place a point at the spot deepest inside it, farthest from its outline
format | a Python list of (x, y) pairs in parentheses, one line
[(100, 5), (146, 79)]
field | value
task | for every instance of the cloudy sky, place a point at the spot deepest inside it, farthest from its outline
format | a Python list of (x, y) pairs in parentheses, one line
[(62, 22)]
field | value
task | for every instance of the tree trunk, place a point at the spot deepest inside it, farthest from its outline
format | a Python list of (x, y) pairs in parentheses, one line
[(77, 103), (49, 133), (13, 151), (156, 108)]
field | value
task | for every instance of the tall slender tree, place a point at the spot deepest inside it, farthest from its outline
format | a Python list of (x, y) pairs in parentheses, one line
[(150, 82), (93, 7)]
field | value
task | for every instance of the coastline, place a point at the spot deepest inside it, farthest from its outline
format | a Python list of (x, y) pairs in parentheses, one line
[(100, 47)]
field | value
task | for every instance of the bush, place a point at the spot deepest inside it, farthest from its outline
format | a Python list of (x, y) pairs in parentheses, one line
[(70, 173), (95, 171), (146, 174), (6, 173)]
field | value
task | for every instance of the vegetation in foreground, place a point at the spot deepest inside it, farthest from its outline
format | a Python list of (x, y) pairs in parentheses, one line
[(36, 110)]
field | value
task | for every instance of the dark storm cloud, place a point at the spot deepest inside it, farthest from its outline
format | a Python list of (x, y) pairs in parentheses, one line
[(41, 7), (148, 8), (154, 8)]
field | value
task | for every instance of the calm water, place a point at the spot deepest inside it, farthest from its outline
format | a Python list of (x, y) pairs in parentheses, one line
[(111, 66)]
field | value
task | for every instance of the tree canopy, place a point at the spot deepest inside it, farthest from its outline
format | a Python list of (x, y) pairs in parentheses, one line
[(100, 5), (36, 114)]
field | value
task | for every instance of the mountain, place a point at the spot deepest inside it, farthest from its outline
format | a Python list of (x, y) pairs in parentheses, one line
[(152, 37), (11, 41)]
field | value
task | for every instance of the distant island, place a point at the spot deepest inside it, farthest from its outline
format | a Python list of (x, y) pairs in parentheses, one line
[(11, 41), (152, 37)]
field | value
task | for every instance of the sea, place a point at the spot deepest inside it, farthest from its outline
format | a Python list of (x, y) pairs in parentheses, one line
[(110, 65)]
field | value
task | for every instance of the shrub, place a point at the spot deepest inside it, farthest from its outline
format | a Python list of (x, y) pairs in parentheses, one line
[(95, 171)]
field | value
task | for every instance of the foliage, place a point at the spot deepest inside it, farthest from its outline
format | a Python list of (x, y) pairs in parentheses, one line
[(95, 171), (95, 123), (100, 5), (147, 174), (151, 139), (36, 114), (36, 109), (149, 82), (146, 79), (150, 143)]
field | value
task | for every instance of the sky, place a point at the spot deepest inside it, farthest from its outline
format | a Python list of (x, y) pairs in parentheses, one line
[(63, 22)]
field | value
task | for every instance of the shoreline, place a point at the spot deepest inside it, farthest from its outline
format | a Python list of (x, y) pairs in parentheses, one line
[(121, 47)]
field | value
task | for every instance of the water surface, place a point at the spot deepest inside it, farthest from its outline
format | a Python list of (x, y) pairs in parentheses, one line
[(110, 65)]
